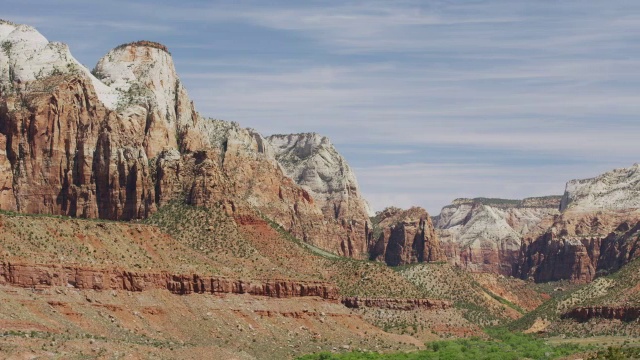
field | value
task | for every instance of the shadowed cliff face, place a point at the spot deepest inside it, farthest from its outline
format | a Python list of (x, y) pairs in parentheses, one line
[(404, 237), (581, 246), (121, 143), (584, 314), (67, 154)]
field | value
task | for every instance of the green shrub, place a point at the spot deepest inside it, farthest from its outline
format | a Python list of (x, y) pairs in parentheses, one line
[(503, 345)]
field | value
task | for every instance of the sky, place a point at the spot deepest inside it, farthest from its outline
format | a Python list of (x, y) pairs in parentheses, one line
[(427, 100)]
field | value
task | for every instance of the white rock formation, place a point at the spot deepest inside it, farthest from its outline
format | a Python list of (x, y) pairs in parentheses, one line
[(26, 55), (614, 190), (314, 163), (146, 69), (152, 97), (229, 135), (486, 234)]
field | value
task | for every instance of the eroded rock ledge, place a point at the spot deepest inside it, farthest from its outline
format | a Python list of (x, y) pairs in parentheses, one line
[(583, 314), (395, 304), (42, 276)]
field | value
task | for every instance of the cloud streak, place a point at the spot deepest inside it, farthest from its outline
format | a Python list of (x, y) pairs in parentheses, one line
[(503, 98)]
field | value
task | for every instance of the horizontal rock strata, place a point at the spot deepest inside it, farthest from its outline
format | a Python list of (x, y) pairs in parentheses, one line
[(42, 276), (395, 304), (583, 314)]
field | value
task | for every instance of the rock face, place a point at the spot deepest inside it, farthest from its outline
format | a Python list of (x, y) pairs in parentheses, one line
[(403, 237), (68, 156), (484, 235), (42, 276), (151, 95), (26, 56), (314, 163), (121, 143)]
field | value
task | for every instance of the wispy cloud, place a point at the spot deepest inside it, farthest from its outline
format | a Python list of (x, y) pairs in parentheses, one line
[(445, 91), (433, 185)]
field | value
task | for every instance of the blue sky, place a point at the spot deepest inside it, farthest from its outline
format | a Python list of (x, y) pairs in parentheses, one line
[(427, 100)]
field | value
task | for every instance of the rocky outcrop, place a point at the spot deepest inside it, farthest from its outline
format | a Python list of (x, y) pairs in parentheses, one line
[(395, 304), (484, 235), (240, 166), (42, 276), (580, 246), (314, 163), (583, 314), (403, 237), (121, 143), (152, 97)]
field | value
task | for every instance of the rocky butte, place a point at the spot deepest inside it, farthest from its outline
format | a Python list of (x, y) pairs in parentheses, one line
[(403, 237)]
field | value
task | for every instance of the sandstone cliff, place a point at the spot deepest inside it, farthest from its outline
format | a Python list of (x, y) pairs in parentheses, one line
[(124, 139), (584, 314), (484, 235), (403, 237)]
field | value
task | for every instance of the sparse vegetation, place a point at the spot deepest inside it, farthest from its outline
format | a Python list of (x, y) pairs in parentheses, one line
[(147, 43), (6, 47)]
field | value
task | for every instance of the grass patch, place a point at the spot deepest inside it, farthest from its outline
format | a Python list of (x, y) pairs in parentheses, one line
[(503, 345)]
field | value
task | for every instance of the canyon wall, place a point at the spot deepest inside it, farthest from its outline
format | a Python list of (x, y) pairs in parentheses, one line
[(315, 164)]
